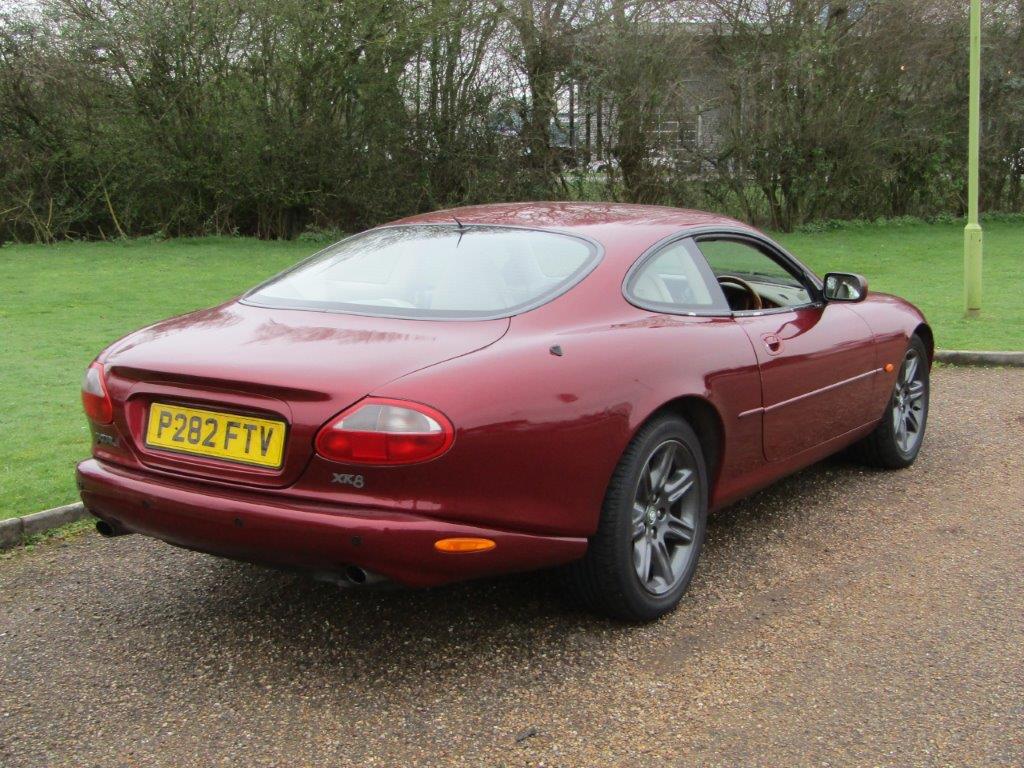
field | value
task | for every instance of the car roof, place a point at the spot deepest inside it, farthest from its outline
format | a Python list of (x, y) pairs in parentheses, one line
[(568, 215), (623, 229)]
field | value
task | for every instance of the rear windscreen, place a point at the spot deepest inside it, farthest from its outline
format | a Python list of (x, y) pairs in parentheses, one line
[(434, 271)]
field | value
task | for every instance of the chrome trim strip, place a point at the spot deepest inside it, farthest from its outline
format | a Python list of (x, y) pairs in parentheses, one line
[(805, 395)]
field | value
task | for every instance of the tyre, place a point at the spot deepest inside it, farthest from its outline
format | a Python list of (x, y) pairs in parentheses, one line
[(652, 526), (897, 439)]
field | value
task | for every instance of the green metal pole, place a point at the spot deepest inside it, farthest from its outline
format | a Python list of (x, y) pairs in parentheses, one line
[(972, 232)]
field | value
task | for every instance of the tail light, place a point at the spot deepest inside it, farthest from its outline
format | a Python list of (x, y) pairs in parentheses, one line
[(386, 432), (95, 397)]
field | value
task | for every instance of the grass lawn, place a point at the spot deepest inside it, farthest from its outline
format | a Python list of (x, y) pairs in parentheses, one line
[(924, 263), (62, 304)]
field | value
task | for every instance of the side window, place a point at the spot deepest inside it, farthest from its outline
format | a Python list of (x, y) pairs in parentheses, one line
[(776, 285), (674, 280)]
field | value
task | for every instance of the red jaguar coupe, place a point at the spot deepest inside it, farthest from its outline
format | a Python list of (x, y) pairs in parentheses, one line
[(502, 388)]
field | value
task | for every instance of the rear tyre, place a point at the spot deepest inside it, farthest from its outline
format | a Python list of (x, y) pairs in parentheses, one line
[(897, 439), (652, 526)]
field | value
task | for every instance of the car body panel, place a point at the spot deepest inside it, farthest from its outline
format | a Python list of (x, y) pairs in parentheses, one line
[(818, 369), (295, 365), (543, 404), (536, 465), (892, 321), (324, 539)]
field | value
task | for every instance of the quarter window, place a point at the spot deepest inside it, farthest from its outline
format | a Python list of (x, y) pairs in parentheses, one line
[(674, 280)]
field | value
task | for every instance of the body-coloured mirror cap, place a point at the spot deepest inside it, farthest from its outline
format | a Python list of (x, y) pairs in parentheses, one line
[(845, 286)]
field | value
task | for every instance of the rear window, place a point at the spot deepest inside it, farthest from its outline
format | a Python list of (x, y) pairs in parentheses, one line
[(434, 271)]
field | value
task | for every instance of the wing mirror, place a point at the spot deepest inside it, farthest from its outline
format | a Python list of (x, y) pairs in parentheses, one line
[(845, 286)]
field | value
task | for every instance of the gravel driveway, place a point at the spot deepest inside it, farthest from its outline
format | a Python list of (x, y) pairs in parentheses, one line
[(843, 617)]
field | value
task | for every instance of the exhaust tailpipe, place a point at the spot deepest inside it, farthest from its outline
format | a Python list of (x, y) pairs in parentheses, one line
[(110, 530), (352, 576), (356, 575)]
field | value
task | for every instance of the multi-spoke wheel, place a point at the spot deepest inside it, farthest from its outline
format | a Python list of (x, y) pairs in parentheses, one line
[(897, 439), (665, 509), (909, 400), (645, 551)]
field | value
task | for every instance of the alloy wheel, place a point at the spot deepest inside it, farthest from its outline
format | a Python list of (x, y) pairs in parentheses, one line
[(909, 402), (665, 509)]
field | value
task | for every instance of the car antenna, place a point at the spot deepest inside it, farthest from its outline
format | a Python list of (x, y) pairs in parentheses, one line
[(462, 230)]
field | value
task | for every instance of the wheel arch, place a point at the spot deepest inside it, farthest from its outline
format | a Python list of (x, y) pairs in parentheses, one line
[(925, 332), (706, 421)]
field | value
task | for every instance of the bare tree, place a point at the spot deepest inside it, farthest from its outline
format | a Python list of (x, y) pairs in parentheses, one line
[(542, 45), (274, 117)]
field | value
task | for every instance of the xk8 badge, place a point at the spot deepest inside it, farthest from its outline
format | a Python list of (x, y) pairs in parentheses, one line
[(356, 481)]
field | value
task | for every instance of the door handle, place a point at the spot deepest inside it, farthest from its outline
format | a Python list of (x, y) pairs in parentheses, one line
[(773, 343)]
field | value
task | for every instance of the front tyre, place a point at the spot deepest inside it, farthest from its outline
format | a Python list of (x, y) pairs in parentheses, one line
[(652, 526), (897, 439)]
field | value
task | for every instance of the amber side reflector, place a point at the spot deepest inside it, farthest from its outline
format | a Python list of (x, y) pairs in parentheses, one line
[(462, 546), (889, 367)]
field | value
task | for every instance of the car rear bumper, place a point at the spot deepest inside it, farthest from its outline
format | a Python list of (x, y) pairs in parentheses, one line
[(274, 530)]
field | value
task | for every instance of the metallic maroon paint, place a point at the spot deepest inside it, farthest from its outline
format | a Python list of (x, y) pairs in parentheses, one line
[(537, 434), (314, 536)]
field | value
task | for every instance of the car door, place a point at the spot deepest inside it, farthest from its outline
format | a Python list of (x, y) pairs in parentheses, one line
[(817, 360)]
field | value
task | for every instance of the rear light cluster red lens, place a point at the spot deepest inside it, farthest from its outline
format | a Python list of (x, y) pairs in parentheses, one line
[(95, 397), (385, 432)]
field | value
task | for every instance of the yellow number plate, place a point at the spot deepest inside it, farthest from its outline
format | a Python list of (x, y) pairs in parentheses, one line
[(218, 435)]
